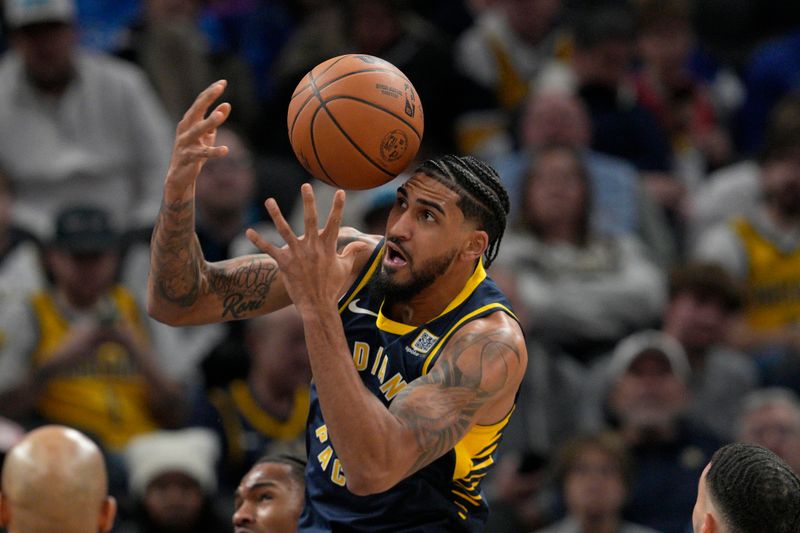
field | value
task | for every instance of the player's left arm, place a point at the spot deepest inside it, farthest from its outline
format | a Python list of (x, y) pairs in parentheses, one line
[(474, 381)]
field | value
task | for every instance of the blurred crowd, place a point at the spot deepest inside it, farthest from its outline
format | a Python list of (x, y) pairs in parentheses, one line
[(651, 149)]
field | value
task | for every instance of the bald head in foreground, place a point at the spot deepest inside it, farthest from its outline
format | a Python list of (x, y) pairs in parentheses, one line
[(55, 480), (747, 489)]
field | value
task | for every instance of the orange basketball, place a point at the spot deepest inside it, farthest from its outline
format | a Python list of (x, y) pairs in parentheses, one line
[(355, 121)]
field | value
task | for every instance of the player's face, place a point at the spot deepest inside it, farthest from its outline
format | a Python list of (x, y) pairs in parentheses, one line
[(423, 234), (268, 500)]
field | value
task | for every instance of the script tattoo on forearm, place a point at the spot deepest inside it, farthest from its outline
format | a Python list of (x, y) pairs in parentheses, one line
[(242, 288), (176, 257), (440, 407)]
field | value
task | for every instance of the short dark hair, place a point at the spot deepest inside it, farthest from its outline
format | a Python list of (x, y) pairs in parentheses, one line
[(608, 442), (297, 466), (482, 197), (706, 281), (754, 489)]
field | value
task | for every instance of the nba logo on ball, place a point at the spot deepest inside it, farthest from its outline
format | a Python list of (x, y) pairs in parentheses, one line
[(394, 145), (355, 121)]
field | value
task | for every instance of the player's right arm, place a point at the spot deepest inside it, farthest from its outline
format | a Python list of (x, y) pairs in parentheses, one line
[(183, 288)]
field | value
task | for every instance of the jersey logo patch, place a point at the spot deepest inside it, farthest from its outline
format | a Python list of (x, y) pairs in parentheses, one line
[(424, 341)]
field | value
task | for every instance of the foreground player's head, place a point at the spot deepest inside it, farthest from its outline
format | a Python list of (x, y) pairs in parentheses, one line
[(270, 497), (55, 480), (747, 489), (482, 198), (452, 211)]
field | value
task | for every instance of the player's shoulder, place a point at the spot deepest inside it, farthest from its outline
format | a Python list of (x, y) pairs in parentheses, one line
[(497, 326)]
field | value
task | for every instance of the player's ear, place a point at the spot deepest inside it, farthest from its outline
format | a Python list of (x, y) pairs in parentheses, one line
[(108, 511), (709, 524), (476, 244), (5, 513)]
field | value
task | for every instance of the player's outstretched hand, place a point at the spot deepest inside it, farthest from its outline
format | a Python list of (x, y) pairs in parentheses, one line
[(314, 273), (195, 136)]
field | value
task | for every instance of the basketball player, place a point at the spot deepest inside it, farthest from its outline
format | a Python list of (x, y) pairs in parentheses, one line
[(269, 498), (55, 480), (747, 489), (415, 354)]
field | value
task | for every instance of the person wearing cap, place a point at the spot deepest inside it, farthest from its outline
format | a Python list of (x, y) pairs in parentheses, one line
[(172, 483), (83, 343), (646, 399), (86, 126)]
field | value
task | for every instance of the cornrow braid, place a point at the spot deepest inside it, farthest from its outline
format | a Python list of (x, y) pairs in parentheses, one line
[(482, 196), (754, 489)]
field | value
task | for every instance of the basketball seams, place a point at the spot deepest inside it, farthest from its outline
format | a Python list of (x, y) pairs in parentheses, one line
[(341, 130), (376, 106), (347, 75), (314, 145), (314, 89)]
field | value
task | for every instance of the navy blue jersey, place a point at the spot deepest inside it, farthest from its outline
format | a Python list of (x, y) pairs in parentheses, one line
[(443, 496)]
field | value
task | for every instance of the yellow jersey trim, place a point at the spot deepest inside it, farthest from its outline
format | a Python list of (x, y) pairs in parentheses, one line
[(265, 423), (398, 328), (494, 305)]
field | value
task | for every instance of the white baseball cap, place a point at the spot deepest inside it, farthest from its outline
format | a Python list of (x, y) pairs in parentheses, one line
[(20, 13), (630, 348)]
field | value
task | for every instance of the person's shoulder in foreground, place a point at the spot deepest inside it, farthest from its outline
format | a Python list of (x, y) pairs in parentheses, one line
[(747, 489)]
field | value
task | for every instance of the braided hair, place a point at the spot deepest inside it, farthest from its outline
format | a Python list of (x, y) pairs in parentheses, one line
[(482, 197), (754, 489)]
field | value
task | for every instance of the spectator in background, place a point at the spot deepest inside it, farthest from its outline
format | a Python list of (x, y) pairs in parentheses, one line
[(55, 480), (270, 406), (762, 251), (508, 45), (594, 473), (770, 417), (21, 269), (735, 190), (172, 482), (86, 127), (680, 100), (703, 303), (647, 400), (747, 489), (82, 345), (583, 291), (387, 29), (167, 34), (620, 206), (270, 497), (601, 75), (769, 75)]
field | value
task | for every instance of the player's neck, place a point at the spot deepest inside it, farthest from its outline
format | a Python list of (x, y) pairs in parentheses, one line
[(432, 301)]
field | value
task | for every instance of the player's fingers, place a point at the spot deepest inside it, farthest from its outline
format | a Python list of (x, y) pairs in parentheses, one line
[(198, 108), (209, 124), (281, 225), (331, 230), (309, 211), (261, 243)]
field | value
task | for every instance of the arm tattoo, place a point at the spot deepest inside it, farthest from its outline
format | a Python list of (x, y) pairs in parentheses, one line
[(176, 257), (242, 288), (440, 407)]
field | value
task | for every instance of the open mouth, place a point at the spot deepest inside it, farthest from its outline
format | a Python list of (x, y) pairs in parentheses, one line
[(394, 256)]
